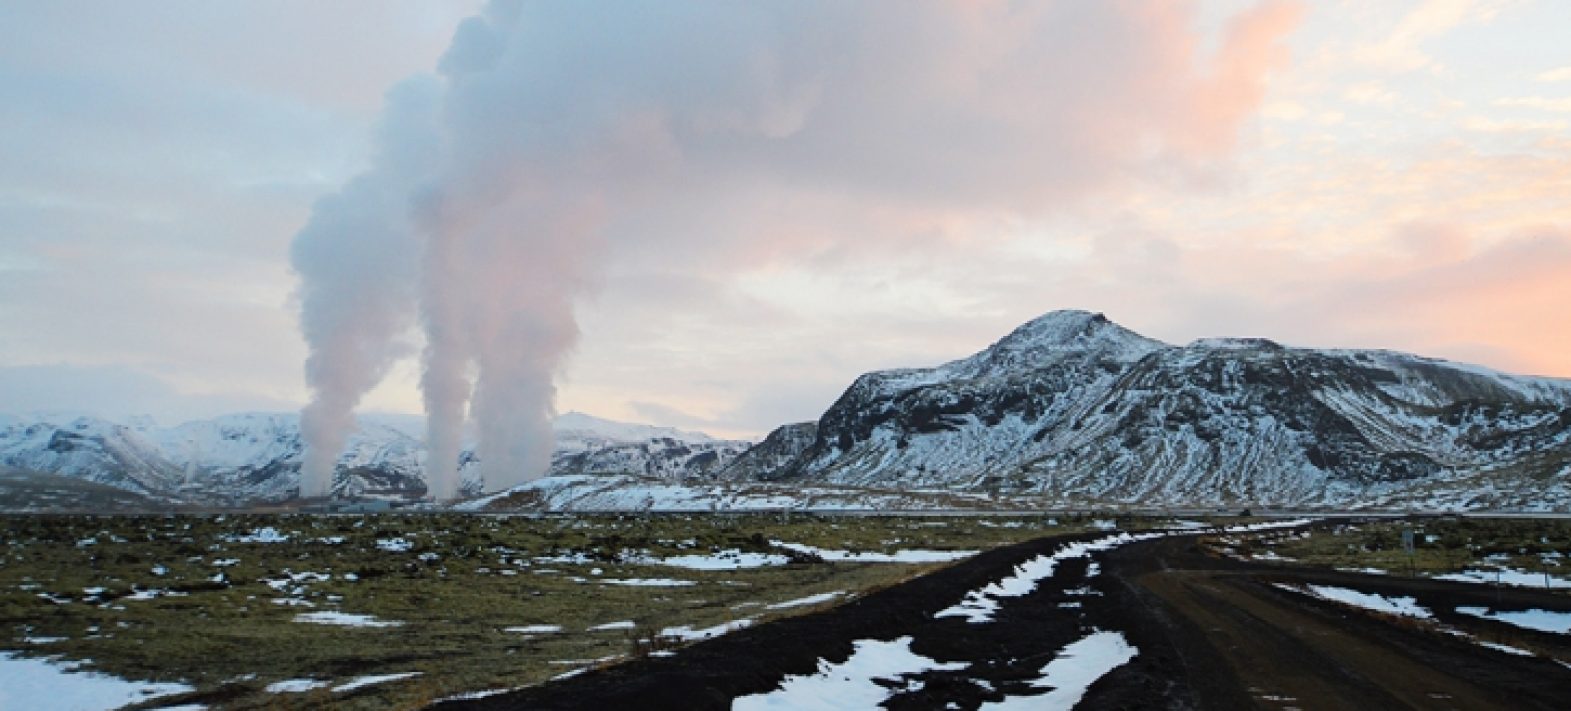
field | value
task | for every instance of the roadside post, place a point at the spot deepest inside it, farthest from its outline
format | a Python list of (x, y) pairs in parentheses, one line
[(1407, 547)]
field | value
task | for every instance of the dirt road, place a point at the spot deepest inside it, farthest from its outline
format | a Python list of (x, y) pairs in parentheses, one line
[(1211, 633)]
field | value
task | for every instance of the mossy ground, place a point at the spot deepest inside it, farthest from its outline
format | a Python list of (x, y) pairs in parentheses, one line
[(207, 601), (1440, 545)]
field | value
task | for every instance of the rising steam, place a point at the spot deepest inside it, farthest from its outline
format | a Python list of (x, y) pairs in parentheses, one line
[(554, 130)]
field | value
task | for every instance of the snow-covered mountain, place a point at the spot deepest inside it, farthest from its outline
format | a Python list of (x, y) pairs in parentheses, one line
[(251, 457), (1076, 408)]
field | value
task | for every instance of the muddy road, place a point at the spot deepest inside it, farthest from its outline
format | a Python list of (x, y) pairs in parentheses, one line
[(1152, 623)]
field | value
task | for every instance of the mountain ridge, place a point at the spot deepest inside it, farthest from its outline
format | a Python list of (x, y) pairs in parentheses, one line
[(256, 456), (1075, 406)]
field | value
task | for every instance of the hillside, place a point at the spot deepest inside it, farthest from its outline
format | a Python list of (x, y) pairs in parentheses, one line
[(1079, 409)]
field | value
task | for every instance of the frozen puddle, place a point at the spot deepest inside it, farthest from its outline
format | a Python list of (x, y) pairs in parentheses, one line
[(979, 605), (1540, 620), (905, 556), (1072, 672), (344, 619), (853, 683), (51, 684), (1403, 606)]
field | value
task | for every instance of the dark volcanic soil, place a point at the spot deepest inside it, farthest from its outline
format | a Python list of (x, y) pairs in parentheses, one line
[(1211, 633)]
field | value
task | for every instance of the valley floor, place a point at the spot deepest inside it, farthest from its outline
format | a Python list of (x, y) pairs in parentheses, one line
[(1118, 621)]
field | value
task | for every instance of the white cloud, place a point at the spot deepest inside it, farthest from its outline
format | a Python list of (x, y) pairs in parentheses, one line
[(1556, 75), (1542, 103)]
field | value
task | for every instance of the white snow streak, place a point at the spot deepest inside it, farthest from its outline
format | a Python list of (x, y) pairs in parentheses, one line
[(849, 684)]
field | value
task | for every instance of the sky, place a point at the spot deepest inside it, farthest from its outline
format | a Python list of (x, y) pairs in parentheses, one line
[(770, 200)]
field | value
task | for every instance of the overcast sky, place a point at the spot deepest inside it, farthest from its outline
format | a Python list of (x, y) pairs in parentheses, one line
[(897, 188)]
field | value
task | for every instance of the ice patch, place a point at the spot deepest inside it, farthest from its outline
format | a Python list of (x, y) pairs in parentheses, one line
[(849, 684), (51, 684), (1540, 620), (1072, 672)]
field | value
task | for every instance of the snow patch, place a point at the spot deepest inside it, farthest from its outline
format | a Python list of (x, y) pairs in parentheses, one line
[(1535, 619), (853, 683), (344, 619), (52, 684), (373, 680), (809, 600), (1402, 606), (904, 556), (1072, 672)]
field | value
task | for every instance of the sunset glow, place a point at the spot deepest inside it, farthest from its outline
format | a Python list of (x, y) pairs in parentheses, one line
[(764, 201)]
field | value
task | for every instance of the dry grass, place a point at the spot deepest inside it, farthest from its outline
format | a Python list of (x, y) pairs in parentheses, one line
[(461, 583)]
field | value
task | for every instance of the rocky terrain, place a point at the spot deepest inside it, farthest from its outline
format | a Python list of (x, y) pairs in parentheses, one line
[(1076, 408)]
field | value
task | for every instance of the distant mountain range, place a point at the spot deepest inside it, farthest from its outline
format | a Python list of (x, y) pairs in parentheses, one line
[(255, 457), (1069, 409)]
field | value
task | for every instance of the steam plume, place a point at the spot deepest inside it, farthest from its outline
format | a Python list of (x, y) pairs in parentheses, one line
[(554, 130)]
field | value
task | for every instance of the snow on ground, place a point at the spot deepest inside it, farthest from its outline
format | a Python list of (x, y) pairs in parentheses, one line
[(394, 545), (1072, 672), (1268, 525), (344, 619), (1403, 606), (905, 556), (1508, 649), (649, 582), (1507, 576), (51, 684), (619, 625), (294, 686), (687, 633), (534, 629), (809, 600), (474, 695), (1541, 620), (364, 681), (730, 559), (266, 534), (979, 605), (849, 684)]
